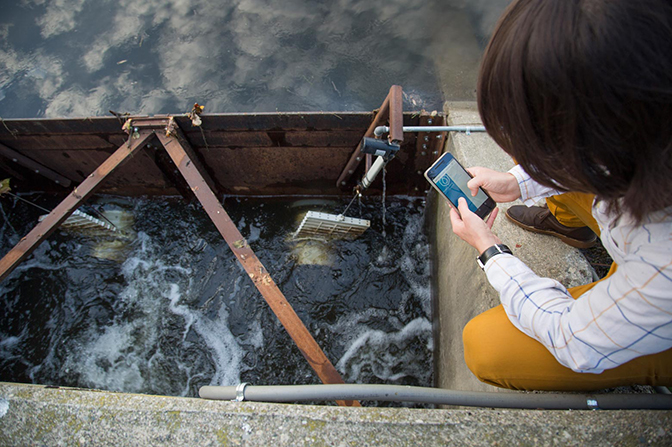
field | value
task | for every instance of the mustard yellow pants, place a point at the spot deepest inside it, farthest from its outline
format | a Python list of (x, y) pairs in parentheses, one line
[(501, 355)]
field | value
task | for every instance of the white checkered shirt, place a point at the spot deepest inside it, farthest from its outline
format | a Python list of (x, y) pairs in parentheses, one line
[(623, 317)]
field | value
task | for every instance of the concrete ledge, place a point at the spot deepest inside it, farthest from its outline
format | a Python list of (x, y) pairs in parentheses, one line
[(37, 415), (460, 287)]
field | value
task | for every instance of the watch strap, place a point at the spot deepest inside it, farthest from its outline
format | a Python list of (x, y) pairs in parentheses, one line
[(490, 252)]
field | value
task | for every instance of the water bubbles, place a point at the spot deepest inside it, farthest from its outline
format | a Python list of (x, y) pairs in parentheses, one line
[(389, 356)]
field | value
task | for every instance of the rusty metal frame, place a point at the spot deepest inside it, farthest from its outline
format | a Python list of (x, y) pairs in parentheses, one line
[(64, 209), (179, 150), (392, 111)]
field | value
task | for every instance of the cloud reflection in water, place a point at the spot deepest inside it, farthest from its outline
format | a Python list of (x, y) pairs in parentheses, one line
[(84, 57)]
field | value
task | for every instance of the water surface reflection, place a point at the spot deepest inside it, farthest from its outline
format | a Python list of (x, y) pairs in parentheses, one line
[(84, 57)]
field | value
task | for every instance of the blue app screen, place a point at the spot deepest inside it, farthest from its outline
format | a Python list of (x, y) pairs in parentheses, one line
[(452, 181)]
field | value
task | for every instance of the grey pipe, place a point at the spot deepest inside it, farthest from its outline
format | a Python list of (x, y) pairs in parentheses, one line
[(372, 173), (380, 130), (437, 396)]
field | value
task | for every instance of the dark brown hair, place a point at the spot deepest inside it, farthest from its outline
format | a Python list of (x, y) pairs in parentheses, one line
[(579, 92)]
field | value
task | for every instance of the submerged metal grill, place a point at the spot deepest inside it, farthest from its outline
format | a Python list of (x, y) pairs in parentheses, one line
[(323, 224), (82, 221)]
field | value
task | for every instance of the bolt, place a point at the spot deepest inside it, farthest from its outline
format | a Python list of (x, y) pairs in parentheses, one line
[(15, 160), (359, 158), (57, 182), (420, 172), (426, 138), (435, 153), (343, 183), (350, 171), (417, 189), (424, 146), (438, 136), (423, 153), (429, 121), (37, 171)]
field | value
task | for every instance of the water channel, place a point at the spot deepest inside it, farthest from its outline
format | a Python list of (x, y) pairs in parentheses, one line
[(170, 309)]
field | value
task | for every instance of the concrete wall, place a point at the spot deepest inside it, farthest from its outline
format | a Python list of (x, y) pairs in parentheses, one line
[(36, 415), (461, 290)]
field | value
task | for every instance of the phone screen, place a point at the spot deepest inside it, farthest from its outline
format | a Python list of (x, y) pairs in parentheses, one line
[(452, 181), (450, 178)]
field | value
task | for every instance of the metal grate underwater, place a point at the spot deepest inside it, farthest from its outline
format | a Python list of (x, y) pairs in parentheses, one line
[(82, 221), (323, 224)]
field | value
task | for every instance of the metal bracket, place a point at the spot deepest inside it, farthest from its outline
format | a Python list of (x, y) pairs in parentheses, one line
[(391, 109), (240, 392)]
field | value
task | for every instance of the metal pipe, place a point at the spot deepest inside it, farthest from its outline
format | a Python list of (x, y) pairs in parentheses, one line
[(372, 173), (437, 396), (380, 130)]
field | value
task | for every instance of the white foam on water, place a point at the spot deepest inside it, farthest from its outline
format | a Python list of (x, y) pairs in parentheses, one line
[(255, 233), (126, 355), (386, 355), (404, 348), (10, 346), (226, 353), (109, 360)]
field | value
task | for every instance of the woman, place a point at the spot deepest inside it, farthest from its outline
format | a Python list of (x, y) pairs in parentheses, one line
[(579, 93)]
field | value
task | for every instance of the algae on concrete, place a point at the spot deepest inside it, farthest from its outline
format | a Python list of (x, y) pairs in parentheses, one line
[(38, 415)]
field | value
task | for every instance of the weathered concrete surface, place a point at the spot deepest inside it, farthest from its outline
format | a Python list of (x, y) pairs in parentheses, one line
[(460, 287), (35, 415)]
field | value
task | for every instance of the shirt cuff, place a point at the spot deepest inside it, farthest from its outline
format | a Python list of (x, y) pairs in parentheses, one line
[(530, 191)]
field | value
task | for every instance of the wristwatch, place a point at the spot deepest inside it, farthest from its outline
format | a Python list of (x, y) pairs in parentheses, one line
[(495, 250)]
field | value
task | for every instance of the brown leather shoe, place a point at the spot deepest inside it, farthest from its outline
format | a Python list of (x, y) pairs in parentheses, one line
[(540, 220)]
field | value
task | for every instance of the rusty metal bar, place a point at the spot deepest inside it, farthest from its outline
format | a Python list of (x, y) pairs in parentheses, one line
[(43, 229), (34, 166), (396, 115), (383, 114), (182, 156)]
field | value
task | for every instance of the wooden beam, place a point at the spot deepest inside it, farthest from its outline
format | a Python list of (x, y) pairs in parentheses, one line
[(183, 157), (43, 229)]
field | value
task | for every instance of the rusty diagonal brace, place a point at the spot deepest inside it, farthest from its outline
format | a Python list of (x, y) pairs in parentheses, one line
[(172, 139)]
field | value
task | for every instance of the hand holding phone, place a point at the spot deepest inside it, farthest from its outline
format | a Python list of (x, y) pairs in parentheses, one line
[(471, 229), (450, 179), (501, 186)]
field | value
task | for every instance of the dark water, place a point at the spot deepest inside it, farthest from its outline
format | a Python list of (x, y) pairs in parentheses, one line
[(176, 311), (67, 58)]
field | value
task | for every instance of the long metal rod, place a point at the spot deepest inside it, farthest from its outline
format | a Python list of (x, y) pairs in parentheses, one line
[(438, 396), (64, 209), (382, 130), (182, 156)]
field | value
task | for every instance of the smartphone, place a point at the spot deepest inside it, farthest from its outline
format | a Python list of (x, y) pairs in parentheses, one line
[(449, 178)]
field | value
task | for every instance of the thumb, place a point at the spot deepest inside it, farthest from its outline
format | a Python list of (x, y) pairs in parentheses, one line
[(474, 184), (462, 206)]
